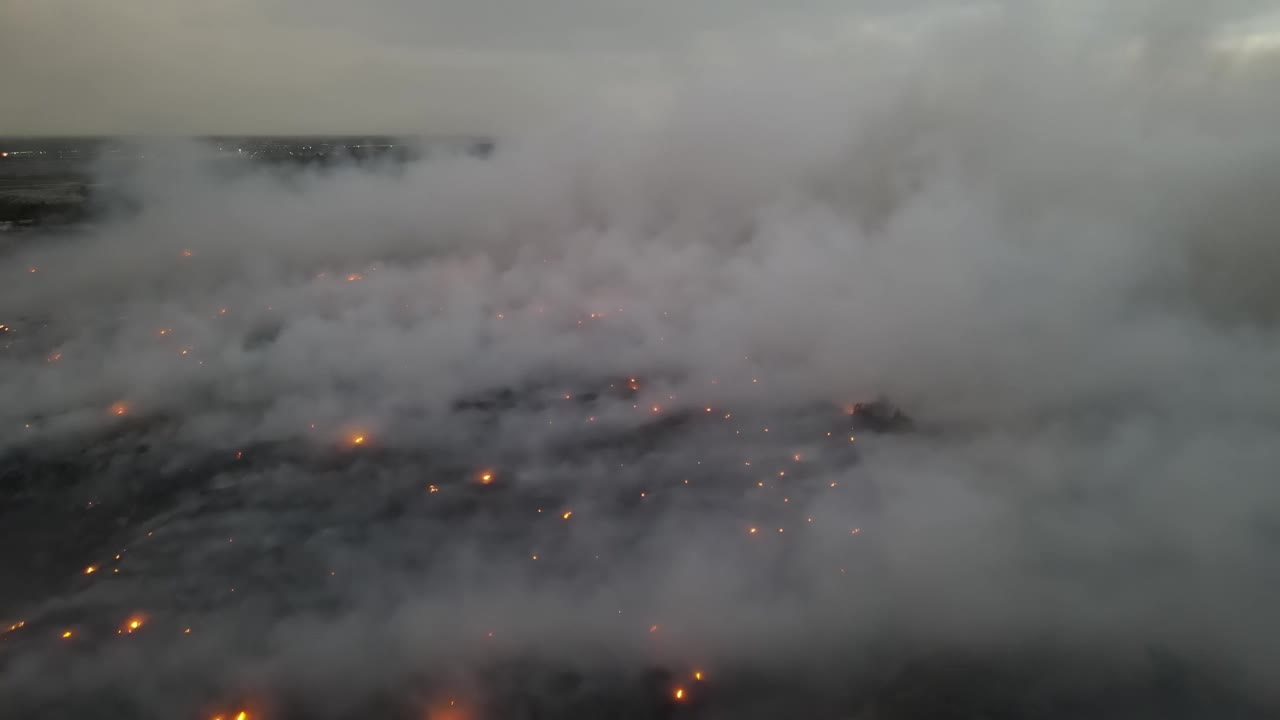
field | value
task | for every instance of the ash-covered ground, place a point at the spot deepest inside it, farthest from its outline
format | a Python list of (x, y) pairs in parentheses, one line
[(564, 431)]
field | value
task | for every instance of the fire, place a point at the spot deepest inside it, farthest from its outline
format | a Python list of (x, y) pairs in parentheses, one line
[(567, 514), (697, 675), (132, 624), (120, 408), (679, 694), (753, 531), (66, 634), (354, 277), (357, 440), (433, 489), (486, 477), (91, 570)]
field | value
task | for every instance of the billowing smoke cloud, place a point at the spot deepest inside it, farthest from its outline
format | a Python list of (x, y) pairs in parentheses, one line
[(276, 395)]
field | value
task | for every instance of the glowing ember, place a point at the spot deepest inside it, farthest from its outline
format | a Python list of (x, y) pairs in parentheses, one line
[(91, 570), (679, 694), (567, 514), (66, 634), (433, 489), (120, 408), (486, 477), (697, 675)]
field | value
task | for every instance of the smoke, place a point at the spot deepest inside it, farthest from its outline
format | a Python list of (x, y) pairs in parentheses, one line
[(273, 393)]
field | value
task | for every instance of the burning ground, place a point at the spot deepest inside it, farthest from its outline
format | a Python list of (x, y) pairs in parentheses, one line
[(565, 432)]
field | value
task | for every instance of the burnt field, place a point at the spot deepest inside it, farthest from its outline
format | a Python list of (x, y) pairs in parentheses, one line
[(569, 427), (473, 575)]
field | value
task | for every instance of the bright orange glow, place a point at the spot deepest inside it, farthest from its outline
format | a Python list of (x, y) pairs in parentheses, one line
[(486, 477), (451, 711), (242, 715), (357, 440), (567, 514), (697, 675), (66, 634), (679, 694), (91, 570), (433, 489), (753, 531)]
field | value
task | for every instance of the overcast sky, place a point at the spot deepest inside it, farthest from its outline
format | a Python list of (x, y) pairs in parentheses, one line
[(293, 66)]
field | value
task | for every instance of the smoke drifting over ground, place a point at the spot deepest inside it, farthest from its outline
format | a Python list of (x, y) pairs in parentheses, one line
[(275, 395)]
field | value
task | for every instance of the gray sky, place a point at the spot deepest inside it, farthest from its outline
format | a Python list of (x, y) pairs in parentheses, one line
[(160, 66)]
